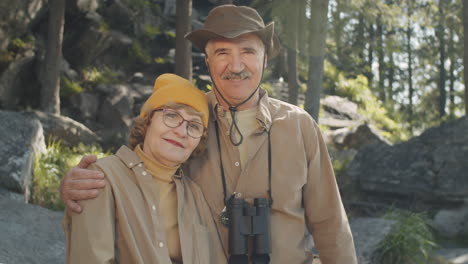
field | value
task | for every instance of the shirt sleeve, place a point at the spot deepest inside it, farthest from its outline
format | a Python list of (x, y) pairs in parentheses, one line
[(324, 212), (90, 235)]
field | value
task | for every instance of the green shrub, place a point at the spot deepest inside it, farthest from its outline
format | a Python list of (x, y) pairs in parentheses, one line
[(104, 26), (93, 76), (15, 47), (18, 45), (340, 165), (140, 53), (150, 31), (270, 90), (69, 87), (410, 241), (50, 167), (357, 90)]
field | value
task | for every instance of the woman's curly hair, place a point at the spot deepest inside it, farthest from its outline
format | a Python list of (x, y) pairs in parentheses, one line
[(140, 126)]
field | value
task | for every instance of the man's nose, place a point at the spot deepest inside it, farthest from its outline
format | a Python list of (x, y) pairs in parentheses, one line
[(236, 64)]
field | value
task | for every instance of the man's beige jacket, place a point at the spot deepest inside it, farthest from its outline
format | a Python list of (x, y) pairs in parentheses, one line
[(304, 190)]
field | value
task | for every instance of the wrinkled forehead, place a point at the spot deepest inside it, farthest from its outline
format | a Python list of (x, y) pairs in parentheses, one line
[(249, 40)]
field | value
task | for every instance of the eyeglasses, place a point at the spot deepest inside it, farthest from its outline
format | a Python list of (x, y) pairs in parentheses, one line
[(173, 119)]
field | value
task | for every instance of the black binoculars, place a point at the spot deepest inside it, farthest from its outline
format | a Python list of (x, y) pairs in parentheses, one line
[(245, 222)]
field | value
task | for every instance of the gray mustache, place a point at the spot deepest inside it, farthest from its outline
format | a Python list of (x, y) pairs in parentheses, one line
[(236, 75)]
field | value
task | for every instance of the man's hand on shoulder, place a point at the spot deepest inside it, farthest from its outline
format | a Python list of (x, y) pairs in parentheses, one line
[(81, 183)]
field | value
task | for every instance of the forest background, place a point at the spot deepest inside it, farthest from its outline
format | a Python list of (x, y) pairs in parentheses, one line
[(404, 57)]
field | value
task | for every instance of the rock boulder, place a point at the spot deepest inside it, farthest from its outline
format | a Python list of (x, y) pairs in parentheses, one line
[(452, 223), (21, 139), (429, 168), (62, 128), (15, 80), (30, 233), (17, 15), (367, 234)]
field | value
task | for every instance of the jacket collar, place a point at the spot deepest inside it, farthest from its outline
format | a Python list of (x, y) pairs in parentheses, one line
[(131, 160), (128, 157), (263, 114)]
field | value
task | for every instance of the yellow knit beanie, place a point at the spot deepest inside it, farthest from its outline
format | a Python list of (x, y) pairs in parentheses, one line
[(170, 88)]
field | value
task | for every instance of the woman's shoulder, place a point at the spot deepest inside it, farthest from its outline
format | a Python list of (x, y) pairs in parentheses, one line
[(108, 161), (124, 157), (118, 166)]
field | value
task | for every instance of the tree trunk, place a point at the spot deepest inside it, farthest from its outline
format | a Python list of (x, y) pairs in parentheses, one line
[(390, 67), (409, 50), (452, 78), (442, 74), (293, 25), (465, 52), (359, 42), (293, 86), (338, 25), (183, 53), (370, 56), (318, 33), (381, 59), (279, 68), (390, 77), (50, 70)]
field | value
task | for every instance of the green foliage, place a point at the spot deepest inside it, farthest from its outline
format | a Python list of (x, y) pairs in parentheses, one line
[(170, 35), (51, 166), (160, 60), (18, 45), (209, 87), (93, 76), (69, 88), (15, 47), (138, 4), (90, 77), (151, 31), (104, 26), (409, 242), (340, 164), (269, 88), (357, 90), (140, 53)]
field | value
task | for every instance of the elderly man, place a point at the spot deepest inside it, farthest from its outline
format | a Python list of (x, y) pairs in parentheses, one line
[(258, 147)]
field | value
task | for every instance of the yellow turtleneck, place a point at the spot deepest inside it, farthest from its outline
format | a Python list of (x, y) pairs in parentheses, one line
[(167, 201)]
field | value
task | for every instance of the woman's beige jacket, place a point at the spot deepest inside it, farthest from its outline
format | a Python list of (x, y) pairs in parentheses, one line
[(123, 225)]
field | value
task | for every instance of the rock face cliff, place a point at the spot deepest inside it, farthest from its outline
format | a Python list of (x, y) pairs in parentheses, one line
[(429, 169)]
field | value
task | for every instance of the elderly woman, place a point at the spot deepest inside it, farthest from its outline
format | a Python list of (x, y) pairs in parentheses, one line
[(149, 212)]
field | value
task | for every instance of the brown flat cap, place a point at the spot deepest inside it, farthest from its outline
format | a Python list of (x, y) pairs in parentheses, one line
[(230, 21)]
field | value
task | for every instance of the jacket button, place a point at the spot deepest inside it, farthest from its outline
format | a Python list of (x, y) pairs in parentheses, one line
[(161, 244), (144, 173)]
